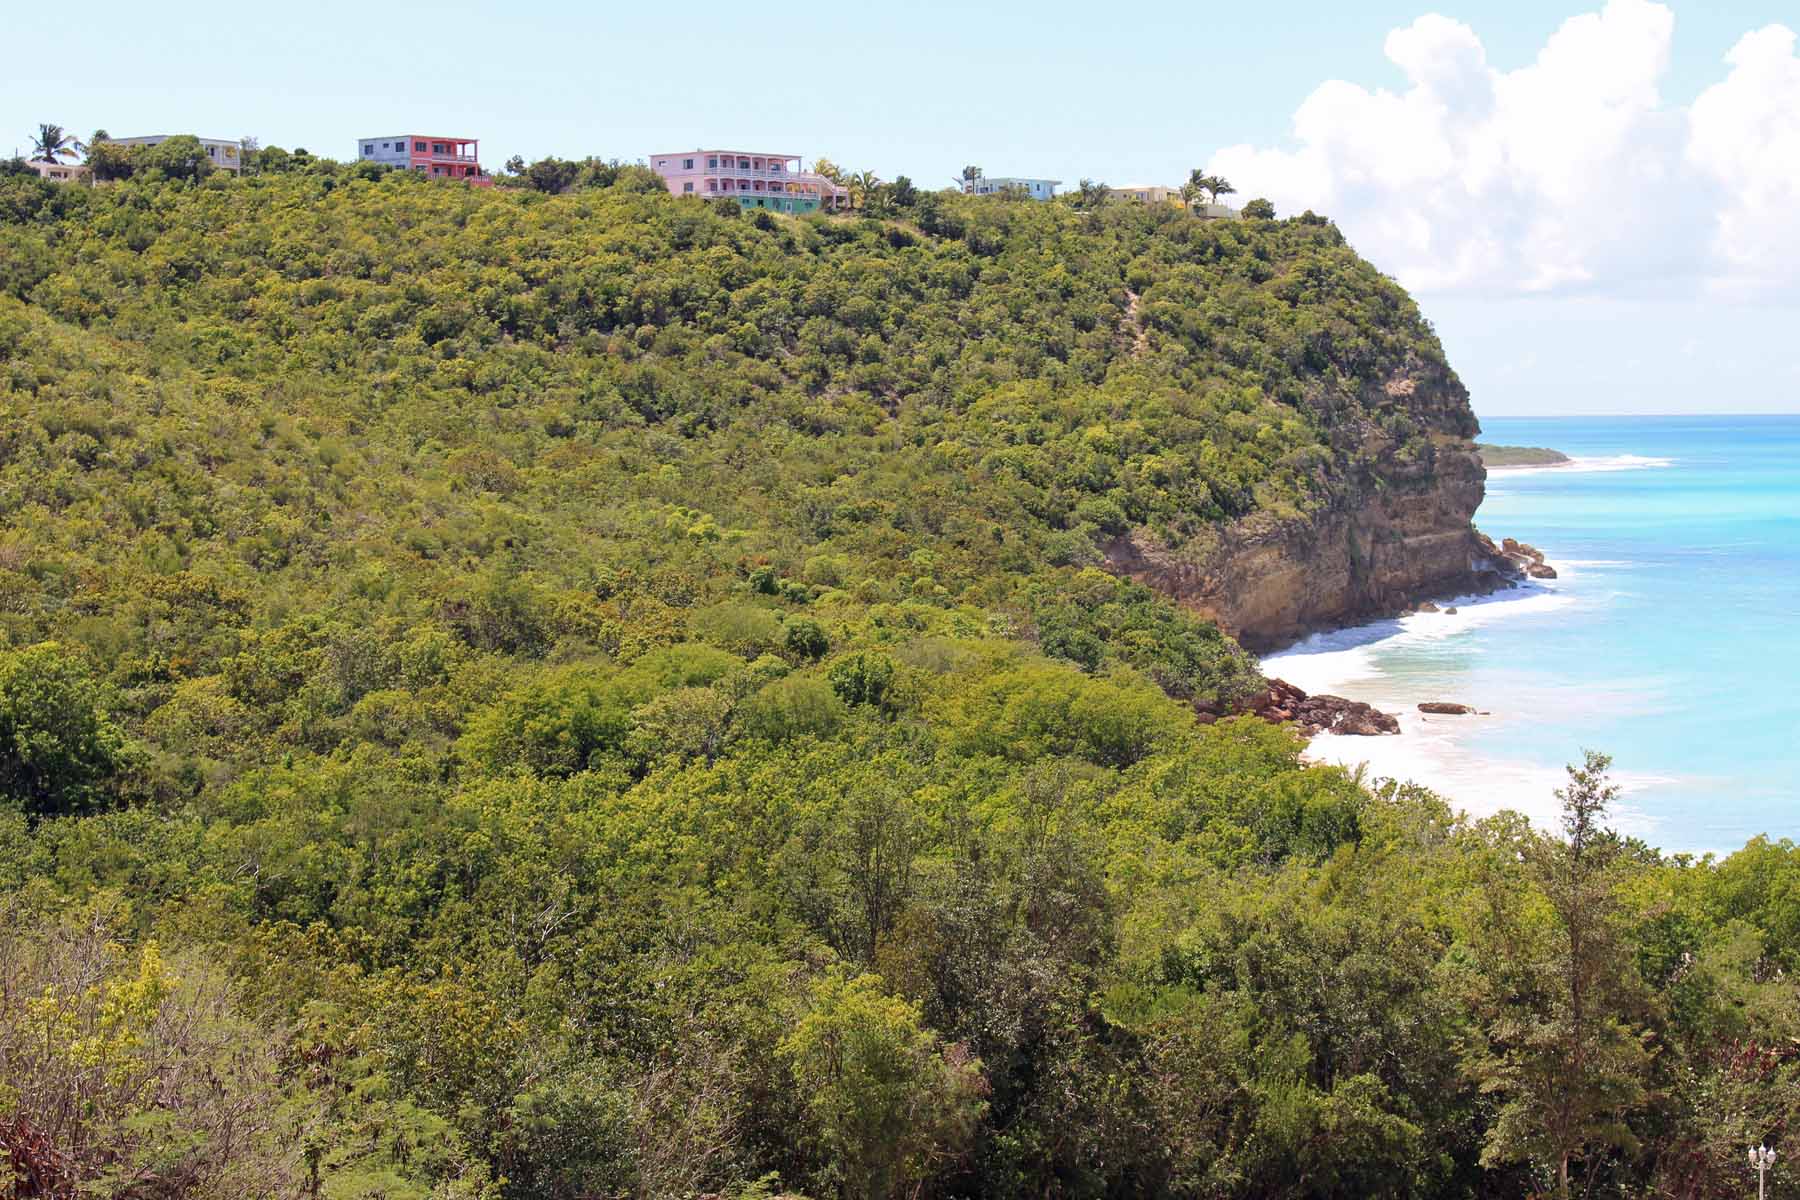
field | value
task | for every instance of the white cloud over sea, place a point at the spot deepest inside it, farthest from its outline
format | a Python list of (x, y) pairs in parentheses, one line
[(1573, 174)]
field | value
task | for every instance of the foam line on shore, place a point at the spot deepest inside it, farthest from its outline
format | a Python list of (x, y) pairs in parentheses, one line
[(1326, 661), (1589, 465)]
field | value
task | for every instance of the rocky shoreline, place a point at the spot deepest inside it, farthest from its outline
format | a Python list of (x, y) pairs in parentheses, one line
[(1284, 703), (1508, 563)]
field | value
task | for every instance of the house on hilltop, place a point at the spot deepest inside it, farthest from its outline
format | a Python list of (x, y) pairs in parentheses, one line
[(767, 181), (439, 157), (227, 154), (58, 172), (1146, 195), (995, 185)]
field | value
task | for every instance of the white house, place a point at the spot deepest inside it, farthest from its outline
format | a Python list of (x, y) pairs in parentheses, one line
[(993, 185), (58, 172), (226, 155)]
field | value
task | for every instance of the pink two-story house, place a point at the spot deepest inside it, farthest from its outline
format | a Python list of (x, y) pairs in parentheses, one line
[(440, 157), (767, 181)]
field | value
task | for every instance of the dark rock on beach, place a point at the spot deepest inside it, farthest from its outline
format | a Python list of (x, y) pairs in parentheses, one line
[(1321, 714), (1445, 708)]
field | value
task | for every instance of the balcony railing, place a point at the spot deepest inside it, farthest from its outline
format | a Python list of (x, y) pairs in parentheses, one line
[(746, 172)]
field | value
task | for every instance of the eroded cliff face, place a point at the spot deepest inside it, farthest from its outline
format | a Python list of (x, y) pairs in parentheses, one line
[(1395, 529)]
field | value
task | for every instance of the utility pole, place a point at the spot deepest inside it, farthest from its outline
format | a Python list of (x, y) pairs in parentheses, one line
[(1762, 1158)]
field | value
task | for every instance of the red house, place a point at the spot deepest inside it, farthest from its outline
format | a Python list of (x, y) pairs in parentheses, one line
[(439, 157)]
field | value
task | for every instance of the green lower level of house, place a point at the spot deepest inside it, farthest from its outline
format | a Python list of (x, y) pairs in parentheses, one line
[(786, 204)]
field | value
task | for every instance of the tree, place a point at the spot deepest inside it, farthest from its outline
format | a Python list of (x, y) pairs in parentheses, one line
[(902, 192), (1091, 195), (109, 161), (969, 176), (59, 748), (1200, 184), (888, 1104), (552, 175), (1560, 992), (862, 187), (1259, 209), (53, 144), (180, 157), (515, 165), (829, 169)]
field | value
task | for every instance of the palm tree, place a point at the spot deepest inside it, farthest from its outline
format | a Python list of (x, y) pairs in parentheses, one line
[(969, 175), (862, 186), (1091, 195), (52, 143), (829, 169), (1212, 186)]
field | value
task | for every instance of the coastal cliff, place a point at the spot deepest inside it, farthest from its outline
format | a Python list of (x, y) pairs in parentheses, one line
[(1396, 529)]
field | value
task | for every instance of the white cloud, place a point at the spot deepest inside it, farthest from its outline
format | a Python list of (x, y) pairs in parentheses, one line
[(1746, 130), (1569, 174)]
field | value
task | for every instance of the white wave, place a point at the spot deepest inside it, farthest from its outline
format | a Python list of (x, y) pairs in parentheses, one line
[(1587, 464), (1430, 752), (1327, 662)]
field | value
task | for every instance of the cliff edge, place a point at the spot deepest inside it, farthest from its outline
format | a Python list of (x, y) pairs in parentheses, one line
[(1395, 529)]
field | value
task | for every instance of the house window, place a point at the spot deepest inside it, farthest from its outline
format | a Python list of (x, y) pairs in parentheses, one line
[(687, 187), (712, 162), (687, 164), (743, 164), (368, 149), (418, 145)]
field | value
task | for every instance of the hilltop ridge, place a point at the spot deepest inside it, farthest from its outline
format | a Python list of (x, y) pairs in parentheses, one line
[(1246, 404)]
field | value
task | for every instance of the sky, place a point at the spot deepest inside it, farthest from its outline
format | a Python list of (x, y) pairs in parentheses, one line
[(1596, 202)]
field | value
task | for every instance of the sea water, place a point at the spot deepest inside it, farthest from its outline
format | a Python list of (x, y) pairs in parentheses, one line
[(1669, 639)]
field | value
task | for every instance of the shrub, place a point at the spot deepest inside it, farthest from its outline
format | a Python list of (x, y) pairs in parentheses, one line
[(59, 748), (798, 706), (804, 638)]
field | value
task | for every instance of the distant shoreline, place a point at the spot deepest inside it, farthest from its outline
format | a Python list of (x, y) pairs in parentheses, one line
[(1501, 457)]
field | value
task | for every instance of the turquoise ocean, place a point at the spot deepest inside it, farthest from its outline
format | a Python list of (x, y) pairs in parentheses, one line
[(1671, 639)]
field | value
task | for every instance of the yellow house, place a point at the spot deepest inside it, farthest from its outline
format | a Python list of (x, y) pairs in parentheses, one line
[(1146, 195)]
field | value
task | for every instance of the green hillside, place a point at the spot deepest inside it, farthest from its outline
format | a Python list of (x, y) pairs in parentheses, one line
[(586, 695)]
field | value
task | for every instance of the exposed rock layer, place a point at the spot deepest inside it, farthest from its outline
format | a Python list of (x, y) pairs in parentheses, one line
[(1395, 530)]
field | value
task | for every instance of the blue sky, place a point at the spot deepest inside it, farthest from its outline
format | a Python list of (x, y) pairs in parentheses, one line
[(1124, 93)]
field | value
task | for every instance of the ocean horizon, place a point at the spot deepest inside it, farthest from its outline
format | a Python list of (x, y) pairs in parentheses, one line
[(1666, 641)]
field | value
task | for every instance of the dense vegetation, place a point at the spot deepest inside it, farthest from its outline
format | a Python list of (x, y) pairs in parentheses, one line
[(524, 695), (1520, 456)]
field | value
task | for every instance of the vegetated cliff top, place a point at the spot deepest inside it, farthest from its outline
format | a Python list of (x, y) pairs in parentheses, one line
[(295, 384)]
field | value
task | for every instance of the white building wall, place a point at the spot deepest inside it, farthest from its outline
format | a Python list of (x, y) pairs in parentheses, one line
[(991, 185), (389, 150)]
